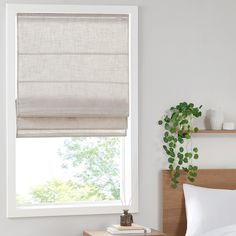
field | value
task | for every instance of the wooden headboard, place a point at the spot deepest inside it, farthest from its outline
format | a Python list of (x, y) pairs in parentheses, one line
[(174, 217)]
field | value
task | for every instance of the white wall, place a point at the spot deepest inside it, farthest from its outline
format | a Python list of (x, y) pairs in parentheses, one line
[(187, 51)]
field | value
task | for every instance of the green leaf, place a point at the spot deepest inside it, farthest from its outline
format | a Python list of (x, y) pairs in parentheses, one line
[(190, 167), (177, 174), (177, 168), (195, 156), (171, 145), (167, 119), (195, 168), (173, 130), (160, 122), (184, 122), (195, 130), (180, 155), (171, 160), (174, 179), (165, 147), (193, 174), (174, 115), (171, 167), (195, 149), (165, 139), (195, 112), (180, 140), (167, 126), (191, 179), (187, 136), (190, 155), (181, 149), (180, 134), (172, 154)]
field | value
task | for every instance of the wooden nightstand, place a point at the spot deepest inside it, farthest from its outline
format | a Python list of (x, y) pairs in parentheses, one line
[(105, 233)]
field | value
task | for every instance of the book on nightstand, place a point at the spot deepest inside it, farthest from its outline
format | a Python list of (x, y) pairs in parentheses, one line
[(134, 229)]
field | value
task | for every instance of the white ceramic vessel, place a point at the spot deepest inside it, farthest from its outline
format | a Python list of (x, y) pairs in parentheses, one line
[(216, 119)]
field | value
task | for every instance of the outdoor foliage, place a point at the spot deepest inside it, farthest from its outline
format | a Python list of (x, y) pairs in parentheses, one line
[(56, 191), (93, 169), (95, 163)]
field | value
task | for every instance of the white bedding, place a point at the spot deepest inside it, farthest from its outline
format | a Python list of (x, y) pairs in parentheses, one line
[(223, 231), (209, 209)]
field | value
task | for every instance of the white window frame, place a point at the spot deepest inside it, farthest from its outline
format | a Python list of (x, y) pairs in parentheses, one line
[(131, 153)]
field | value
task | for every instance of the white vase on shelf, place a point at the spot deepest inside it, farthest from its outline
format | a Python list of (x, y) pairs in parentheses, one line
[(216, 119)]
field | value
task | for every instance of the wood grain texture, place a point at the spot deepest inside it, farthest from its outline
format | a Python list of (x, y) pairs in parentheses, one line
[(174, 217), (208, 131)]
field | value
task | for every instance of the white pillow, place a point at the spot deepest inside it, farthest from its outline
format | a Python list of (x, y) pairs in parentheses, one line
[(208, 209)]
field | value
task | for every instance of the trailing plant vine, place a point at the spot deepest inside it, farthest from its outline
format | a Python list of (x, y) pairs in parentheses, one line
[(178, 129)]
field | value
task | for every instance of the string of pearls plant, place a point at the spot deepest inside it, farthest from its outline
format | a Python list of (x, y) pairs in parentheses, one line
[(178, 129)]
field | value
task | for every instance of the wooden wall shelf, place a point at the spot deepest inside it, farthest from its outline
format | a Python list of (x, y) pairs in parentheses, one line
[(208, 131)]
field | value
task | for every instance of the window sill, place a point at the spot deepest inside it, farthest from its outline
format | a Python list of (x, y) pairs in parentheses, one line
[(68, 209)]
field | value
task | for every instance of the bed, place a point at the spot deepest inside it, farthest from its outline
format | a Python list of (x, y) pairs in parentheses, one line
[(174, 212)]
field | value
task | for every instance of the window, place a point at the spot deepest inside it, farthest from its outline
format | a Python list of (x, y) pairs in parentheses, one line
[(71, 109)]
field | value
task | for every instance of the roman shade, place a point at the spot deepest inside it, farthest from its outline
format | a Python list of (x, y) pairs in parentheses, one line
[(73, 75)]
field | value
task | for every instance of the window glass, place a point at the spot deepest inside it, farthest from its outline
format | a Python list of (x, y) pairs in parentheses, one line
[(68, 170)]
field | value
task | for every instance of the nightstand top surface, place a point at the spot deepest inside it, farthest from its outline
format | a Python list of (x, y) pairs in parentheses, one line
[(105, 233)]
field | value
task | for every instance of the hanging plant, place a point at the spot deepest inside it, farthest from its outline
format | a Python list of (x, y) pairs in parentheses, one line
[(177, 134)]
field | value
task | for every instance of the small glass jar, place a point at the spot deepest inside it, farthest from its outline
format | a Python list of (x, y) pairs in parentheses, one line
[(126, 219)]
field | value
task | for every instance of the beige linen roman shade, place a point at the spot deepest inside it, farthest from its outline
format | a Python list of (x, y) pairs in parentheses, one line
[(73, 75)]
